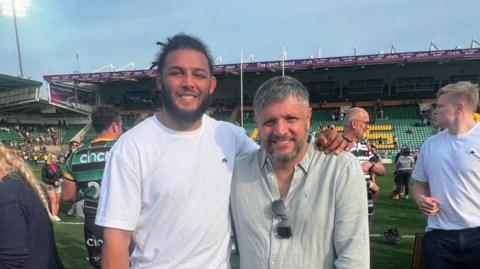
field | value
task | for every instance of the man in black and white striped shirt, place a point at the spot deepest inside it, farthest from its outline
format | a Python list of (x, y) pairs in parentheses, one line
[(355, 127)]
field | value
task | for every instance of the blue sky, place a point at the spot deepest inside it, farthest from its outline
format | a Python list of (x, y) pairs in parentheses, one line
[(121, 31)]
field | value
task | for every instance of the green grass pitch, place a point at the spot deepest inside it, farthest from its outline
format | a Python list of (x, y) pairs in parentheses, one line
[(388, 214)]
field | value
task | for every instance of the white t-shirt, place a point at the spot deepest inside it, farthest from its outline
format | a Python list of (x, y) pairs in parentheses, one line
[(451, 166), (172, 189)]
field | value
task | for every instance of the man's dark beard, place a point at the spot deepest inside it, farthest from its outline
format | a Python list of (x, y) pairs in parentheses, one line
[(181, 115)]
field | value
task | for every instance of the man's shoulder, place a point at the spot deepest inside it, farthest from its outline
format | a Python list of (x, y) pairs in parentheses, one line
[(475, 131), (94, 145), (82, 147), (248, 167), (221, 125), (359, 145), (140, 128), (228, 134), (343, 159), (139, 133), (436, 138), (249, 157), (346, 157)]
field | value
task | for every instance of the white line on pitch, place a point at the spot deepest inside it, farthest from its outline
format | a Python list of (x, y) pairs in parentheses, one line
[(372, 235), (70, 223), (403, 235)]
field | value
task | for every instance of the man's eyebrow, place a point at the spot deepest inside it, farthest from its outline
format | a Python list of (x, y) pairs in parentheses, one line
[(195, 69), (175, 67), (269, 119)]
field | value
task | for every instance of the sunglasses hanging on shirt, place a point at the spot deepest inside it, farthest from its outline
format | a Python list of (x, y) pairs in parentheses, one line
[(284, 230)]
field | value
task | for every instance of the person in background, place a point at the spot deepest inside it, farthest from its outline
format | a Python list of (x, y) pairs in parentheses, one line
[(52, 176), (416, 153), (72, 145), (375, 158), (403, 171), (26, 232), (447, 181), (400, 153), (35, 158), (84, 171), (77, 207), (355, 125)]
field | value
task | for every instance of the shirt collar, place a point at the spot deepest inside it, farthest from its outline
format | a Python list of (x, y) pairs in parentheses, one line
[(100, 139)]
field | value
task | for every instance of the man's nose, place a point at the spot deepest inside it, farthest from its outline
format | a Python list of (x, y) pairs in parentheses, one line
[(281, 127), (188, 80)]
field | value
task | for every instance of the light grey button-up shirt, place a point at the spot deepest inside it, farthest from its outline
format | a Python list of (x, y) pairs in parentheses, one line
[(325, 206)]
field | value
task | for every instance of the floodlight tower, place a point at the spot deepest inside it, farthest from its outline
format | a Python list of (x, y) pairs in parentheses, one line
[(16, 8)]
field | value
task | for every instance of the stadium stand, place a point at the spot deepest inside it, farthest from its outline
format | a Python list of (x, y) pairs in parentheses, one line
[(401, 125), (391, 87), (9, 135)]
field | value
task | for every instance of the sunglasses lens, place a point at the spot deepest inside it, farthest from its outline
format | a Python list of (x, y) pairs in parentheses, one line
[(284, 229), (278, 208)]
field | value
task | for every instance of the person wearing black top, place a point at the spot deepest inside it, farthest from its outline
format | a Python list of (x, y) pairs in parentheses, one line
[(26, 231)]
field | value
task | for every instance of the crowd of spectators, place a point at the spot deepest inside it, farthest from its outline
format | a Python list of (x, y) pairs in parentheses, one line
[(33, 141)]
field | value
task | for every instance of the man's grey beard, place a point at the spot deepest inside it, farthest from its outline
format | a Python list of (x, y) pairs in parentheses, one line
[(289, 156)]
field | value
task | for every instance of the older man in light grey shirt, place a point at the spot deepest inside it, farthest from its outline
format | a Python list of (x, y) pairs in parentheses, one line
[(293, 206)]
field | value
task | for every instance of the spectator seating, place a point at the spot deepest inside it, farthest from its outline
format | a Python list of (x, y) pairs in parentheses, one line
[(10, 136)]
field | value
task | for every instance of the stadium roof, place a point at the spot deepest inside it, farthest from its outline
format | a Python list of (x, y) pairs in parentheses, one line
[(10, 83), (32, 103), (360, 60)]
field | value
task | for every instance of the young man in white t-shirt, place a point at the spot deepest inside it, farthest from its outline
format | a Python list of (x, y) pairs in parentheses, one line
[(447, 181), (166, 183)]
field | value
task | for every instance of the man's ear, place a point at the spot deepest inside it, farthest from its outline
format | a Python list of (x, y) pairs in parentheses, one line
[(115, 127), (309, 117), (158, 81), (213, 84), (353, 124)]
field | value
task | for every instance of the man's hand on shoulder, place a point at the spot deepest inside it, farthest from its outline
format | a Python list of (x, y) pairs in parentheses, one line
[(331, 141)]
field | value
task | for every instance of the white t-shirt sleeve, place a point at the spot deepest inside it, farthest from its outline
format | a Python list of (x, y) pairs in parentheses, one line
[(419, 170), (120, 196)]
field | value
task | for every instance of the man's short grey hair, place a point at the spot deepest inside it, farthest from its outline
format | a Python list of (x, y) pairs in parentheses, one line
[(279, 88), (351, 114)]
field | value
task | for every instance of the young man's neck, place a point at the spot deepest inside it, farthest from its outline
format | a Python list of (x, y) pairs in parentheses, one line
[(461, 126), (166, 119)]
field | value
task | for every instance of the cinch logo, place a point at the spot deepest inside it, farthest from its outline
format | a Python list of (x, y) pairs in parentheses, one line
[(94, 157), (94, 242)]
